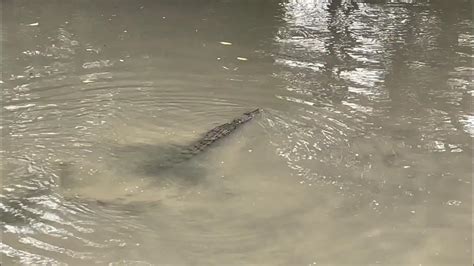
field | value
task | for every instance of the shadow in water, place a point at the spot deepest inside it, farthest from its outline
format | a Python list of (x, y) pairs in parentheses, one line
[(339, 43), (157, 161)]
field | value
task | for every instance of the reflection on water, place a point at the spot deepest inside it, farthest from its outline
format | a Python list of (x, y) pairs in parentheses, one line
[(362, 155)]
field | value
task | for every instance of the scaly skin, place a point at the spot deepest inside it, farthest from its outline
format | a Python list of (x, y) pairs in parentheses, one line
[(216, 134)]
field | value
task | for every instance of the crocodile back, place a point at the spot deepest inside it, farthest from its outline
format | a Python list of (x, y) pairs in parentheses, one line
[(217, 134)]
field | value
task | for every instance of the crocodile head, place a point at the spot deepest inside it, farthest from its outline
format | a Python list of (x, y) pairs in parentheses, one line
[(245, 117)]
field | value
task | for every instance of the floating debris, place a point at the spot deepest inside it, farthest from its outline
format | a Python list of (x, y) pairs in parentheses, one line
[(225, 43), (33, 24), (242, 58)]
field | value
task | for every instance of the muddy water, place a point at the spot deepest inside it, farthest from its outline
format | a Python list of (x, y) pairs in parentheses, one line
[(362, 154)]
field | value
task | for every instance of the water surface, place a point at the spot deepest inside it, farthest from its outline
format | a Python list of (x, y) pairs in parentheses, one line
[(362, 154)]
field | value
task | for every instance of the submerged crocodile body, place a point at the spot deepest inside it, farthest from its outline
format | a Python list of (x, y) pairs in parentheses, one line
[(147, 160), (187, 152)]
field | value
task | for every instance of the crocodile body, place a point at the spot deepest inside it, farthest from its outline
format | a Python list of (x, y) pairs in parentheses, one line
[(214, 135), (147, 160)]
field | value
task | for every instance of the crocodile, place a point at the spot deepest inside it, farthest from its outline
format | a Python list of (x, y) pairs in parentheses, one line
[(148, 161)]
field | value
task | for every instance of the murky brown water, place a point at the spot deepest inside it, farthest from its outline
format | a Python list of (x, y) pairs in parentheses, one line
[(362, 155)]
